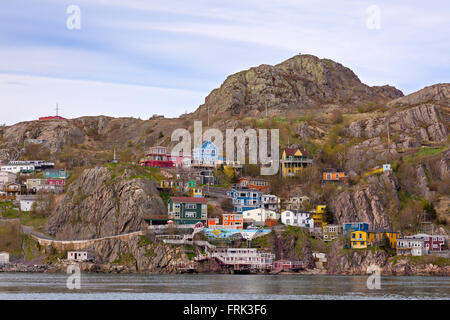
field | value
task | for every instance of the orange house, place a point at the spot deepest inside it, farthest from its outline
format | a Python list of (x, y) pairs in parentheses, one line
[(334, 176), (254, 183), (212, 222), (233, 220)]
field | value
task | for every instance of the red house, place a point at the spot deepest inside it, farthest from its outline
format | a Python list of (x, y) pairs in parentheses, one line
[(52, 118), (433, 242), (55, 182), (157, 158), (288, 265)]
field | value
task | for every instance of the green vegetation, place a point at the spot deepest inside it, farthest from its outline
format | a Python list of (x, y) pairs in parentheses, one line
[(8, 210), (422, 260), (125, 259)]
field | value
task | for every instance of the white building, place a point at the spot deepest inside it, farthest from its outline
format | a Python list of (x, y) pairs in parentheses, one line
[(7, 177), (297, 218), (4, 257), (260, 215), (17, 168), (80, 256), (26, 204), (271, 202), (410, 247)]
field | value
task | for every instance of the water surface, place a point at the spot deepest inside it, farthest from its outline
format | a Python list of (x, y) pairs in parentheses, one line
[(218, 286)]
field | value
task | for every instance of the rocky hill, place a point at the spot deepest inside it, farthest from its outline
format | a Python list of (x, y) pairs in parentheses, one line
[(299, 83), (105, 201), (316, 103)]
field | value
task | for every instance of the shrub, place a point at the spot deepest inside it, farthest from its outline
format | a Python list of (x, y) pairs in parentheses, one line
[(336, 117)]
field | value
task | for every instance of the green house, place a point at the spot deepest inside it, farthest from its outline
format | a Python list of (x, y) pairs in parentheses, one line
[(56, 174), (187, 210)]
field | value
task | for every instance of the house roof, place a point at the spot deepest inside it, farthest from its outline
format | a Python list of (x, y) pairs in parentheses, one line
[(189, 199), (292, 151)]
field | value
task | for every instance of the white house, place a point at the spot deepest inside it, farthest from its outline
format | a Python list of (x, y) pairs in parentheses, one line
[(80, 256), (410, 246), (26, 202), (15, 168), (271, 202), (7, 177), (4, 257), (260, 215), (297, 218)]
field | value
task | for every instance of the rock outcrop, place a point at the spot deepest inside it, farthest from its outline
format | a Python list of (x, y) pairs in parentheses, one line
[(297, 83), (438, 93), (101, 202), (371, 203)]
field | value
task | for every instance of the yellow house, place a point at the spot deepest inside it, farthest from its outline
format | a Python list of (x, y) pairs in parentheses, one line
[(359, 239), (293, 160), (377, 237), (319, 216), (195, 192)]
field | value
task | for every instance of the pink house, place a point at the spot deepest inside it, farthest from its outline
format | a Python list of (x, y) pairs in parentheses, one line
[(181, 161), (55, 182)]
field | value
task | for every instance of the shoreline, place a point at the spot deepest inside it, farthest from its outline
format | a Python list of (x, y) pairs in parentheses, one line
[(92, 268)]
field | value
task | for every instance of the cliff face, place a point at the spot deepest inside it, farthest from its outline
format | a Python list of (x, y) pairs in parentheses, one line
[(102, 202), (371, 203), (297, 83)]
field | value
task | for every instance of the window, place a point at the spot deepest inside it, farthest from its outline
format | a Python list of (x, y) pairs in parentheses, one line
[(191, 206)]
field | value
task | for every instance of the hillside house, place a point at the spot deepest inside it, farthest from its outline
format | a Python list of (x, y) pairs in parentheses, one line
[(331, 175), (55, 182), (359, 240), (187, 210), (319, 216), (271, 202), (259, 216), (377, 237), (33, 183), (206, 155), (7, 177), (293, 160), (56, 174), (80, 256), (26, 168), (297, 218), (348, 227), (4, 257), (26, 202), (330, 232), (233, 220), (432, 243), (410, 246), (294, 203), (254, 184), (245, 199), (157, 157)]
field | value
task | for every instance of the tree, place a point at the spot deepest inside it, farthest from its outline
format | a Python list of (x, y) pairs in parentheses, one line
[(428, 208), (328, 215)]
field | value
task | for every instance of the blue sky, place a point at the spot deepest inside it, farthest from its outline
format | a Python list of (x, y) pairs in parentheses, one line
[(138, 58)]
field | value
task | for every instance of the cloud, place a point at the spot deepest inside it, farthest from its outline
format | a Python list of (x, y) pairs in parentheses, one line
[(193, 46)]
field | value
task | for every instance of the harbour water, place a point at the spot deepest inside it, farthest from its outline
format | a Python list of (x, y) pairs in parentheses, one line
[(218, 286)]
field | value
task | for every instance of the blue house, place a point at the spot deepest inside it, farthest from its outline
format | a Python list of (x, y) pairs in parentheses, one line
[(206, 155), (349, 227), (56, 174), (245, 199)]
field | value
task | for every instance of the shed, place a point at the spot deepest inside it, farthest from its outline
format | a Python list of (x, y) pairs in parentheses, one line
[(4, 257)]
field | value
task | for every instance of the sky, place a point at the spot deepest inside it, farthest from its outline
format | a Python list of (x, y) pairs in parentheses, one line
[(137, 58)]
